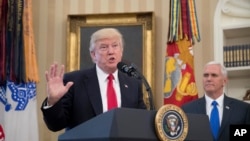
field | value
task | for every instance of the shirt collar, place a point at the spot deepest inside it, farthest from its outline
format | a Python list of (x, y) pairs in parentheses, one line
[(219, 100), (103, 76)]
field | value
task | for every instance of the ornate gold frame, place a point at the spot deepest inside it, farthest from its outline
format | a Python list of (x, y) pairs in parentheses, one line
[(145, 20)]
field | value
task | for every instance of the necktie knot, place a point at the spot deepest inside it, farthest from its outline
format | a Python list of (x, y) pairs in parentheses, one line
[(110, 77), (214, 103)]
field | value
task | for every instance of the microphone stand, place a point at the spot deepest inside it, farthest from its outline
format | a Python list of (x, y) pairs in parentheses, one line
[(147, 86), (149, 90)]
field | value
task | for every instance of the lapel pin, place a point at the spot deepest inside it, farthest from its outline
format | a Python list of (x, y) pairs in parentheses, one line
[(126, 86), (227, 107)]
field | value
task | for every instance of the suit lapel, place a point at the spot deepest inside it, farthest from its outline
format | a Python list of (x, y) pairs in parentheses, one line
[(124, 88), (226, 114), (201, 106), (93, 91)]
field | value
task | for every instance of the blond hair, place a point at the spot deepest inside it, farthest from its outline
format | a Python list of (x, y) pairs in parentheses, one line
[(105, 33)]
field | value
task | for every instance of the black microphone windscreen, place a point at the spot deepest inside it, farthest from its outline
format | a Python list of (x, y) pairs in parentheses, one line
[(121, 66)]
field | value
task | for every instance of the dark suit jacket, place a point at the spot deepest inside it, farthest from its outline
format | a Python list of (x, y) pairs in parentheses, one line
[(234, 112), (83, 100)]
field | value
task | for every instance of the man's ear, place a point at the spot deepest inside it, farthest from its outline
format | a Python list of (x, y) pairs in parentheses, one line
[(225, 81), (92, 54)]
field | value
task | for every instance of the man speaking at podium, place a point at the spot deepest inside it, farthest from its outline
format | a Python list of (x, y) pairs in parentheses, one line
[(75, 97), (222, 110)]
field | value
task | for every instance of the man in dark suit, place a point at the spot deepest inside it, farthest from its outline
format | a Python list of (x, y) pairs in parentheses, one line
[(78, 96), (231, 111)]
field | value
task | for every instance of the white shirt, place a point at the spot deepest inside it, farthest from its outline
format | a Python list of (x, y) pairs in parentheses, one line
[(209, 105), (103, 82)]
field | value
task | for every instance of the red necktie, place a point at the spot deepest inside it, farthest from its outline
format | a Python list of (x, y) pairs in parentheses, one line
[(112, 102)]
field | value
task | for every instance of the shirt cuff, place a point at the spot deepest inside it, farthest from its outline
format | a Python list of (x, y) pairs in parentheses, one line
[(46, 105)]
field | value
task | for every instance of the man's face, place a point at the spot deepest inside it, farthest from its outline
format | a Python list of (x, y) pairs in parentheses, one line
[(213, 80), (107, 54)]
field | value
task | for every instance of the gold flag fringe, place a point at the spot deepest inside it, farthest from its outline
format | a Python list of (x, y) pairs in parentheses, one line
[(31, 67)]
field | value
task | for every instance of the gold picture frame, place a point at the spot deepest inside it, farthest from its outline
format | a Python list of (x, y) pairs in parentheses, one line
[(138, 33)]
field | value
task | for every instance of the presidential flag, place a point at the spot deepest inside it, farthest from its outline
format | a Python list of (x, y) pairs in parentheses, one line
[(179, 80)]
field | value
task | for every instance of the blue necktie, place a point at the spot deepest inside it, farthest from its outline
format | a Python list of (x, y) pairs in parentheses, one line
[(214, 120)]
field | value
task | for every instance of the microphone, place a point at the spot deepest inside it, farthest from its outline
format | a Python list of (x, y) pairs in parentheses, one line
[(132, 72), (129, 70)]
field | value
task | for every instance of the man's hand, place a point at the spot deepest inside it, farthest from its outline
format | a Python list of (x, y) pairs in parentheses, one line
[(55, 86)]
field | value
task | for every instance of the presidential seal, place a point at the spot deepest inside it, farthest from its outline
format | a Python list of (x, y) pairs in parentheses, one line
[(171, 123)]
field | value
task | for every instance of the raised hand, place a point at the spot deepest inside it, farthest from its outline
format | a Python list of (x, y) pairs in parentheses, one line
[(55, 86)]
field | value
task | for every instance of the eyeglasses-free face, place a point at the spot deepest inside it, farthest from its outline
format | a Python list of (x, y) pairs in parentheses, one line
[(107, 54)]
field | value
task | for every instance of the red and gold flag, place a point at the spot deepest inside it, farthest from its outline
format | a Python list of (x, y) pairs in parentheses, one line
[(179, 79)]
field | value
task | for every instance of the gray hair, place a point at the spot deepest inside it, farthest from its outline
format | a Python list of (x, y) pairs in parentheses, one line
[(223, 68), (105, 33)]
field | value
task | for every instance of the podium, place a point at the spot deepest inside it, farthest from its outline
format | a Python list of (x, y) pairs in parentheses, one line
[(125, 124)]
